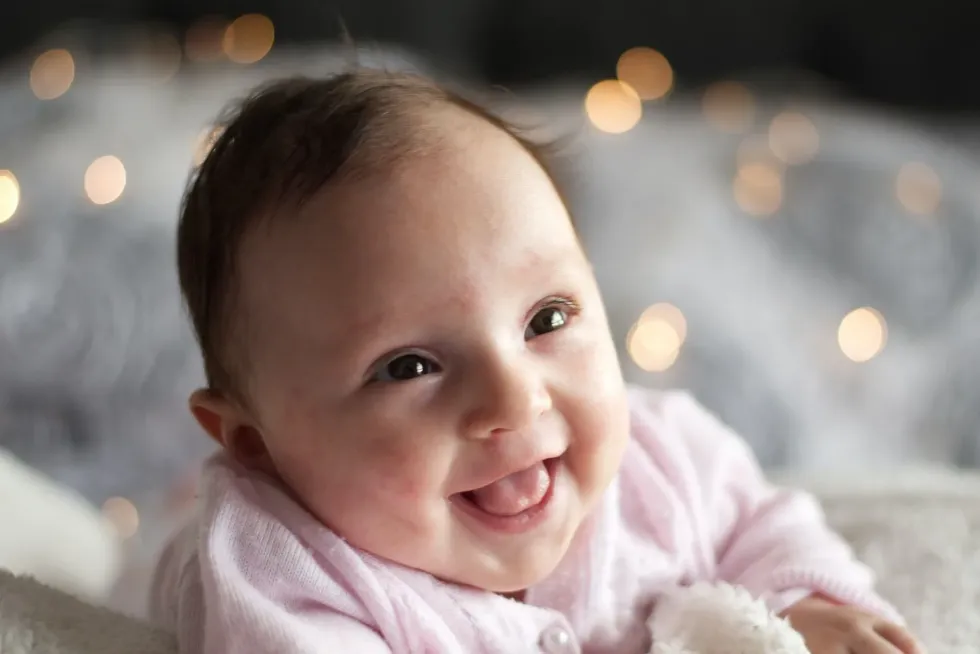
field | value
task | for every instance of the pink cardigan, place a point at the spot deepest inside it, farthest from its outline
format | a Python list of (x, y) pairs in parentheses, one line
[(255, 573)]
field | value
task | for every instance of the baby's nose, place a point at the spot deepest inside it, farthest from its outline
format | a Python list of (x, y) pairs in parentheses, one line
[(510, 397)]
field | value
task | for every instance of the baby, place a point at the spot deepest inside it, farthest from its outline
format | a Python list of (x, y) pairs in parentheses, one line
[(427, 442)]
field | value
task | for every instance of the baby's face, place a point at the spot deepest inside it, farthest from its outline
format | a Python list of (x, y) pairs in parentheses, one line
[(432, 369)]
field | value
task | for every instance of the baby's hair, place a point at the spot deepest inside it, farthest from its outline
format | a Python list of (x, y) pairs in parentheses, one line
[(275, 150)]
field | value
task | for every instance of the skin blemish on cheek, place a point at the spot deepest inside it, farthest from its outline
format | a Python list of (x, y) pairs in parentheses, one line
[(409, 488)]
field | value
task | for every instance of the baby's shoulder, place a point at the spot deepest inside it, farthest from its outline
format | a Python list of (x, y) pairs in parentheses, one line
[(673, 423), (677, 407), (250, 549), (247, 527), (249, 532), (674, 435), (250, 518)]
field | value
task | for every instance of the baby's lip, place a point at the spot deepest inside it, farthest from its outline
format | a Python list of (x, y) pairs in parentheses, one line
[(512, 468)]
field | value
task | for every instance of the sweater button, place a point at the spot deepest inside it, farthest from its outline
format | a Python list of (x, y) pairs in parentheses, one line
[(557, 640)]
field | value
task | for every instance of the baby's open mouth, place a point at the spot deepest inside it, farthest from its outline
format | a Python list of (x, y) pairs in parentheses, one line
[(516, 493)]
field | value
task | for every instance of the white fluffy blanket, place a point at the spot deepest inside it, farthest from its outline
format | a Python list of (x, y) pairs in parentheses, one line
[(53, 534), (35, 619), (922, 536)]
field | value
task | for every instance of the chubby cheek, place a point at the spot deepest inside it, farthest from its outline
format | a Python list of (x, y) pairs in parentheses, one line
[(593, 400), (600, 429), (400, 476), (394, 481)]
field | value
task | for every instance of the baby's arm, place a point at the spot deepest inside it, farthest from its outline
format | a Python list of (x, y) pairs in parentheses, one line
[(770, 540)]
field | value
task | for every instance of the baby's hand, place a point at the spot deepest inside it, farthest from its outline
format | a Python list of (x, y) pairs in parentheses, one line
[(829, 628)]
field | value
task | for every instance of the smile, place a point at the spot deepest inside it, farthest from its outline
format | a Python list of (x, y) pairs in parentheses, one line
[(515, 503)]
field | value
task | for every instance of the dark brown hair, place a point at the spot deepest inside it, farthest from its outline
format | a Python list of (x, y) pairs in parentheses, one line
[(275, 149)]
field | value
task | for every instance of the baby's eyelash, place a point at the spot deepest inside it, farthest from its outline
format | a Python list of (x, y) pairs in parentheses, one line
[(562, 301)]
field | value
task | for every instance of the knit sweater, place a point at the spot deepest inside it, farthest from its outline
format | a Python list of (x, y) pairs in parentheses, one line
[(254, 572)]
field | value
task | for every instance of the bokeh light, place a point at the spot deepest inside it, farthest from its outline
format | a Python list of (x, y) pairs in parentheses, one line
[(9, 195), (205, 142), (204, 39), (758, 189), (52, 74), (668, 313), (105, 180), (249, 38), (613, 106), (862, 334), (793, 137), (918, 188), (123, 516), (655, 341), (728, 106), (646, 71)]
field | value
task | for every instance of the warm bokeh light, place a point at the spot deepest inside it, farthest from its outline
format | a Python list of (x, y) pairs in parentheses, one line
[(918, 188), (52, 74), (758, 189), (205, 141), (613, 106), (249, 38), (123, 516), (105, 180), (9, 195), (204, 39), (654, 345), (793, 137), (646, 71), (862, 334), (669, 313), (729, 106), (655, 341)]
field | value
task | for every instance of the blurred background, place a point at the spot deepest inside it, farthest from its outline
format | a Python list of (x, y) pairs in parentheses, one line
[(781, 200)]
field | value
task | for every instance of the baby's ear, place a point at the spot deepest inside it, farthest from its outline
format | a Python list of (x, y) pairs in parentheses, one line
[(231, 427)]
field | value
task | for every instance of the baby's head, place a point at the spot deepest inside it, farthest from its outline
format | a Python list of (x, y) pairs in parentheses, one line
[(398, 323)]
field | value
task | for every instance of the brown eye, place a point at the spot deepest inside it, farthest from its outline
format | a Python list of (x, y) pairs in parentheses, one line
[(546, 320), (405, 368)]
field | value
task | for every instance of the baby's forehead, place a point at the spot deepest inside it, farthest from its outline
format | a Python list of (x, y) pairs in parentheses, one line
[(443, 148), (468, 187), (462, 211)]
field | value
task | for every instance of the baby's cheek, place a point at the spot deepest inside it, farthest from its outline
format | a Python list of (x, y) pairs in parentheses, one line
[(403, 486), (407, 476), (599, 424)]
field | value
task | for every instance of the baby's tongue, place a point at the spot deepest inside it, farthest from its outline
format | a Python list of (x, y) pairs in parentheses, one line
[(514, 493)]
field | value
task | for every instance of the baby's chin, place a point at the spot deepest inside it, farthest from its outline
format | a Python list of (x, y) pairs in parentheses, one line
[(512, 581), (509, 573)]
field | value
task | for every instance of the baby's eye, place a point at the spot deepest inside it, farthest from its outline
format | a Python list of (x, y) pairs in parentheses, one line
[(405, 368), (546, 320)]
